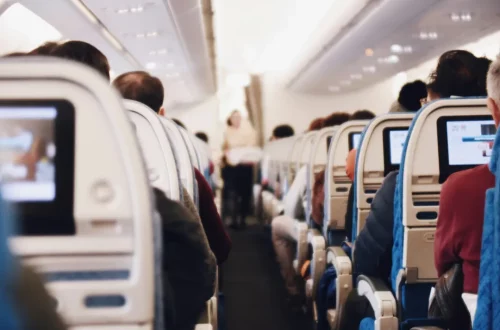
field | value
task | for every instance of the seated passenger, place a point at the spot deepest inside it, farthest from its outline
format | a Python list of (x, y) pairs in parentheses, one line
[(283, 229), (191, 274), (409, 97), (461, 208), (142, 87)]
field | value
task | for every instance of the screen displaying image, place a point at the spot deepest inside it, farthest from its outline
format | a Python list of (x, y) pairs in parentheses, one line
[(354, 141), (27, 153), (470, 142), (397, 140)]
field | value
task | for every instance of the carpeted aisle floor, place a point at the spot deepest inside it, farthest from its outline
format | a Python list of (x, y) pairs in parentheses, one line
[(255, 296)]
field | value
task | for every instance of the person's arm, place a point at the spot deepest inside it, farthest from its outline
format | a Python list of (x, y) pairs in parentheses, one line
[(445, 239), (350, 165), (375, 240), (219, 240), (318, 198), (188, 261)]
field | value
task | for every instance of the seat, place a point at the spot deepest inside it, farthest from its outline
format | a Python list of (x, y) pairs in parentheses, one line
[(428, 157), (379, 154), (182, 156), (156, 149), (96, 246)]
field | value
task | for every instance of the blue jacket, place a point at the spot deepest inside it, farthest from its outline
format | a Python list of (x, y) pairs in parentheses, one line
[(373, 247)]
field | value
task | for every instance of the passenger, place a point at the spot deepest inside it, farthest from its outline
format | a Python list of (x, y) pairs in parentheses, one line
[(238, 178), (458, 73), (45, 49), (282, 131), (202, 136), (142, 87), (409, 97), (461, 207), (82, 52)]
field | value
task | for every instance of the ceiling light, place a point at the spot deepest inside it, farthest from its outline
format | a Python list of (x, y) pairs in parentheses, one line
[(170, 65), (407, 49), (153, 52), (334, 88), (172, 75), (396, 49), (152, 34), (162, 52), (356, 76), (433, 35), (122, 11), (424, 36), (467, 17), (428, 35), (150, 65), (346, 82), (369, 52), (455, 17), (369, 69), (393, 59), (140, 35)]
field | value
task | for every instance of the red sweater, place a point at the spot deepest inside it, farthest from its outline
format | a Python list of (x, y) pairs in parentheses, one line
[(460, 223), (219, 240)]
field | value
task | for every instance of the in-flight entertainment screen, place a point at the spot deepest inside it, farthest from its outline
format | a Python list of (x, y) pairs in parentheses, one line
[(464, 142), (394, 141), (37, 154), (354, 139)]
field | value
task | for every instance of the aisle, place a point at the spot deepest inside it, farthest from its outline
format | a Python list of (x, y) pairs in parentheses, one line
[(255, 294)]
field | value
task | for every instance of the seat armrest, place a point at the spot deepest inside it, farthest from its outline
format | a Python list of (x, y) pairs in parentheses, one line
[(339, 259), (379, 295)]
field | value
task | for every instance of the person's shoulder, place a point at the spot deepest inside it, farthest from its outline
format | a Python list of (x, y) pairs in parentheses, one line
[(468, 179)]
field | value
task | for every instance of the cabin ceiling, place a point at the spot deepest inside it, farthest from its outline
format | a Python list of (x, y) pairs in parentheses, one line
[(429, 27)]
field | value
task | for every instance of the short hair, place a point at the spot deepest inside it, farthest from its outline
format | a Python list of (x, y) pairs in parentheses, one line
[(336, 118), (283, 131), (362, 115), (411, 94), (202, 136), (179, 123), (316, 125), (493, 80), (45, 49), (459, 73), (142, 87), (85, 53)]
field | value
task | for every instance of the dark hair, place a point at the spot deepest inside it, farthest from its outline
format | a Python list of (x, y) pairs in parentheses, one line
[(202, 136), (283, 131), (362, 115), (316, 124), (15, 54), (179, 123), (140, 86), (459, 73), (85, 53), (228, 121), (411, 94), (336, 118), (45, 49)]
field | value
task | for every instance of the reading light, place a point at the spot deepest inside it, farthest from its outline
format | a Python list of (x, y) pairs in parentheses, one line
[(407, 49), (393, 59), (428, 35), (396, 49), (464, 17), (433, 35), (152, 34), (346, 82), (369, 52), (334, 88), (122, 11), (356, 76), (369, 69)]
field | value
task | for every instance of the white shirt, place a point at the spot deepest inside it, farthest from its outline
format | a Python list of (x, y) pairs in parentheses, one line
[(295, 200)]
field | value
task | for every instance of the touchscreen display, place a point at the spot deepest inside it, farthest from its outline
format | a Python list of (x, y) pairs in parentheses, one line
[(354, 139), (397, 140), (470, 142), (27, 151)]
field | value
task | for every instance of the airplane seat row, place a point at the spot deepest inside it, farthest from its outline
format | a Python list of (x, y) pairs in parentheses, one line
[(92, 231)]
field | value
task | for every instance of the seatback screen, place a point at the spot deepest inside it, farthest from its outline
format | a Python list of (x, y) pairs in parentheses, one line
[(37, 164), (464, 142), (394, 141), (354, 139)]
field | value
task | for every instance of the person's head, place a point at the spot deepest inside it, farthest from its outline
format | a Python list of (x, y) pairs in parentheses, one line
[(411, 94), (45, 49), (316, 125), (85, 53), (202, 136), (179, 123), (38, 148), (362, 115), (336, 118), (234, 119), (142, 87), (458, 73), (282, 131), (493, 85), (431, 95)]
